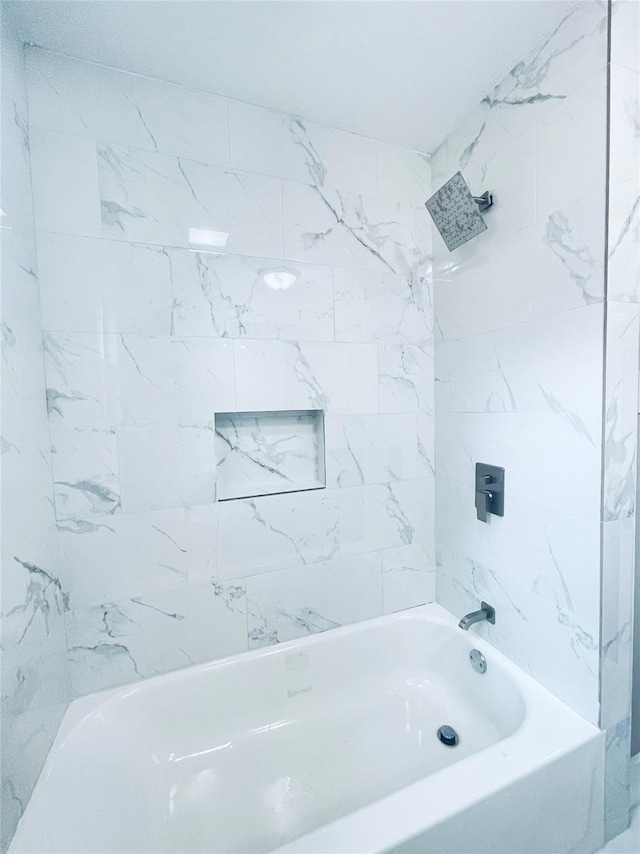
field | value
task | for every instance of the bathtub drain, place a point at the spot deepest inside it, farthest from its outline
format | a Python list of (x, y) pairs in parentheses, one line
[(448, 735)]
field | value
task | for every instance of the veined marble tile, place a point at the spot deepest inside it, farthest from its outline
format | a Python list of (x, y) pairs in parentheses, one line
[(25, 455), (166, 465), (100, 380), (534, 91), (497, 438), (621, 409), (26, 741), (567, 453), (426, 445), (460, 297), (515, 369), (386, 516), (278, 375), (403, 175), (548, 553), (182, 380), (521, 619), (202, 523), (285, 146), (82, 379), (234, 296), (545, 448), (544, 273), (64, 174), (371, 449), (617, 785), (624, 159), (153, 198), (122, 642), (89, 285), (408, 577), (16, 183), (561, 63), (618, 541), (624, 242), (277, 532), (577, 123), (86, 473), (406, 378), (110, 558), (456, 524), (35, 685), (19, 286), (22, 379), (292, 603), (103, 103), (382, 306), (625, 24), (328, 227), (34, 601), (31, 681), (265, 453)]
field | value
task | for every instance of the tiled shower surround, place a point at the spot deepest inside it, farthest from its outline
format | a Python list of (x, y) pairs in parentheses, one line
[(520, 362), (149, 331), (35, 684), (161, 216), (519, 319)]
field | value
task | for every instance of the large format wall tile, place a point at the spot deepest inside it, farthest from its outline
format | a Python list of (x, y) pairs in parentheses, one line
[(35, 677), (296, 602), (233, 296), (154, 198), (276, 532), (339, 378), (519, 359), (329, 227), (101, 103), (124, 641), (66, 193), (382, 306), (90, 285), (185, 274), (301, 151)]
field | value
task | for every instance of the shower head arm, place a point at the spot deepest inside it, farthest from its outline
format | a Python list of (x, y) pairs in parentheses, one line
[(484, 202)]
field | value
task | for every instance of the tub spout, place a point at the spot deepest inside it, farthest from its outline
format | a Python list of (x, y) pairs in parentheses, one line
[(486, 612)]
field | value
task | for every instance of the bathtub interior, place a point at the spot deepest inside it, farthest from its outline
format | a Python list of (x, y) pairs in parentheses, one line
[(247, 754)]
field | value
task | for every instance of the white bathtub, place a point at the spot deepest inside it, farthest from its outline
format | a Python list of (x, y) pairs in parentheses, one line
[(326, 744)]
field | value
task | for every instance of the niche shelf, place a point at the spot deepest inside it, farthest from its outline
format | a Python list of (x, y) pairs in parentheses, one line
[(267, 453)]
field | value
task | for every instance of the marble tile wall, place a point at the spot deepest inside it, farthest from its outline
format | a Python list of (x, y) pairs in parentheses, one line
[(621, 407), (519, 315), (35, 681), (149, 330)]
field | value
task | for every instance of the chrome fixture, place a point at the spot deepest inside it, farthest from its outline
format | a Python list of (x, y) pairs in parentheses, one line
[(448, 735), (478, 661), (486, 612), (456, 213), (489, 491)]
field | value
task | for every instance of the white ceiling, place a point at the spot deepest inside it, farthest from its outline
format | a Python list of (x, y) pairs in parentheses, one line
[(404, 71)]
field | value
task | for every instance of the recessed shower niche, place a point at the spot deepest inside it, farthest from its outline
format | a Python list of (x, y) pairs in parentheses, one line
[(265, 453)]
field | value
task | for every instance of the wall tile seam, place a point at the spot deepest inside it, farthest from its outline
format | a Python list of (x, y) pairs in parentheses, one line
[(537, 319), (352, 268)]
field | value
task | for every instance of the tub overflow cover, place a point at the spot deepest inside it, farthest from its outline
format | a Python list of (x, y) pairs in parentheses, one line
[(448, 735)]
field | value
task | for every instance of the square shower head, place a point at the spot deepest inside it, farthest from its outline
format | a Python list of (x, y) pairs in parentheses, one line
[(455, 212)]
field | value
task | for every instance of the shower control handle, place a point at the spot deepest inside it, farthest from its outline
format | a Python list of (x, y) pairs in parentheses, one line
[(483, 503), (489, 497)]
